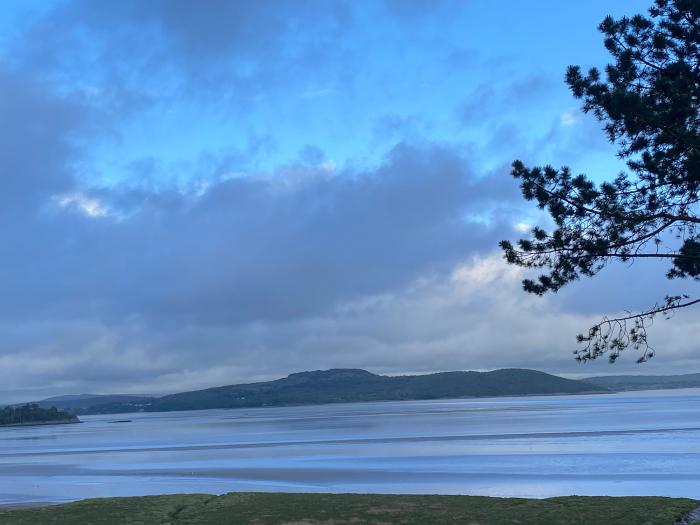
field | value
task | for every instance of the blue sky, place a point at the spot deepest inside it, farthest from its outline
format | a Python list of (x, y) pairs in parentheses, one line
[(348, 80), (203, 193)]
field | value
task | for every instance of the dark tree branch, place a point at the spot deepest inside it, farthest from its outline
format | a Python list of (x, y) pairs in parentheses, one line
[(612, 336), (648, 101)]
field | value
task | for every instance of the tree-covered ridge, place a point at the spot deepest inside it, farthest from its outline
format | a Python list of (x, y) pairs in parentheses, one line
[(353, 385), (32, 413)]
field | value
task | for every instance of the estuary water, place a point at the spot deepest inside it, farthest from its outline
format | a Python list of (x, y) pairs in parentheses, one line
[(640, 443)]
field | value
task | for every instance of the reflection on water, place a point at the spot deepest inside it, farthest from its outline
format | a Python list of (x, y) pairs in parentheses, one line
[(622, 444)]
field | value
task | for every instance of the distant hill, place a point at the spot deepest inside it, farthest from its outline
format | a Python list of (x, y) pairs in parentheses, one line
[(89, 403), (352, 385), (646, 382)]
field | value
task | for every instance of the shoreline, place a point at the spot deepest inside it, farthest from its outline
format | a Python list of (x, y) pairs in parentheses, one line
[(42, 423), (327, 403)]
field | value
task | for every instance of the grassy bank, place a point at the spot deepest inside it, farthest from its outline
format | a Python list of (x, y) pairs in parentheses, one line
[(308, 509)]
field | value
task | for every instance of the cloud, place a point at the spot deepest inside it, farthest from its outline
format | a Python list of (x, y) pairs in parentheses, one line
[(195, 197), (88, 205), (261, 274), (569, 118), (203, 283), (440, 321), (263, 247), (115, 45), (268, 248), (36, 150)]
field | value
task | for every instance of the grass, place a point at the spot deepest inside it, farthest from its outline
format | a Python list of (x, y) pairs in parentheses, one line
[(336, 509)]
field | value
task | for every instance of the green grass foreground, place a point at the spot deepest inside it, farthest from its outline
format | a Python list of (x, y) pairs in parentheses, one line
[(309, 509)]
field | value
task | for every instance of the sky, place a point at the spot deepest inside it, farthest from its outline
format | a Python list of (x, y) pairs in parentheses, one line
[(203, 193)]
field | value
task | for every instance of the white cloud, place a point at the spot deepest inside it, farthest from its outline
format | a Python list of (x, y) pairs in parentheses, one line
[(90, 206), (569, 118), (485, 271)]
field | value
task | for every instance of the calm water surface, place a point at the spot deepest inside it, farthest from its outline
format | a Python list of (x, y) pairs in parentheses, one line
[(640, 443)]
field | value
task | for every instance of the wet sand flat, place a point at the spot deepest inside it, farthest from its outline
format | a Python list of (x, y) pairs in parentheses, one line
[(642, 443)]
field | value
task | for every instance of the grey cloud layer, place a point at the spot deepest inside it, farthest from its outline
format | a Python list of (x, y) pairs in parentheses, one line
[(277, 246), (36, 149), (161, 285), (253, 275), (243, 275)]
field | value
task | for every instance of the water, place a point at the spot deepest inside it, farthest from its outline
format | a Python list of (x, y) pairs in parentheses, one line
[(642, 443)]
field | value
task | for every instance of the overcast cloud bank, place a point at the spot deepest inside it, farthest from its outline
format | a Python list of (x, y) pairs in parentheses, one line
[(193, 198)]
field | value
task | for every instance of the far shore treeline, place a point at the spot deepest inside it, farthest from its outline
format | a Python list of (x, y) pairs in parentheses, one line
[(339, 386), (32, 413), (343, 386)]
